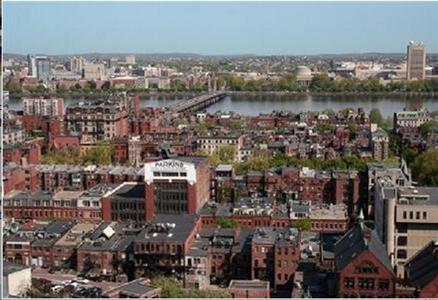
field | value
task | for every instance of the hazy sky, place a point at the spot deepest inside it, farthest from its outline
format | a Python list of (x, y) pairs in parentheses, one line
[(218, 28)]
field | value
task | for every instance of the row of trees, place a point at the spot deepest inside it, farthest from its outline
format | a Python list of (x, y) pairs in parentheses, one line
[(101, 154), (323, 83), (173, 289), (286, 83), (263, 162)]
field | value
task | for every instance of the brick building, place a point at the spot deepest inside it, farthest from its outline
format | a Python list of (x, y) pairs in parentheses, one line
[(275, 254), (363, 267), (162, 245), (106, 251), (249, 289), (174, 186), (217, 254), (96, 121)]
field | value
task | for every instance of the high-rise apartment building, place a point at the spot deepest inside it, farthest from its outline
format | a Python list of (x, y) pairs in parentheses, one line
[(77, 64), (50, 107), (416, 63), (31, 66), (39, 67)]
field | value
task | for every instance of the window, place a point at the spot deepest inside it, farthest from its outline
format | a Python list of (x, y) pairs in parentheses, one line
[(349, 283), (405, 215), (411, 215), (402, 241), (366, 284), (401, 253), (418, 215), (424, 215), (383, 284), (402, 228)]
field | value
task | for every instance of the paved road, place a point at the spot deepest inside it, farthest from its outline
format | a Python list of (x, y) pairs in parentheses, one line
[(58, 277)]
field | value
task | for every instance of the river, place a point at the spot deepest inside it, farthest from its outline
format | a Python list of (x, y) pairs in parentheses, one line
[(253, 105)]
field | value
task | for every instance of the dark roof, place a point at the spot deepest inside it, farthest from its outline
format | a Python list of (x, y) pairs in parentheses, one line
[(9, 268), (180, 228), (328, 245), (422, 268), (196, 160), (128, 190), (354, 242), (98, 241), (136, 289)]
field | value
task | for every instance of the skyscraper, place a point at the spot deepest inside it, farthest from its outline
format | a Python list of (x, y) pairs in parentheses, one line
[(416, 61), (31, 65), (39, 67)]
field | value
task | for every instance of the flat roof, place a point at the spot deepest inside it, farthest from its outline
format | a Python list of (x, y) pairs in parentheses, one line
[(249, 284)]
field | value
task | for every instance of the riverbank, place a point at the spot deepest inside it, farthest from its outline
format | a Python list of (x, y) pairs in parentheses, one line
[(338, 94), (158, 95)]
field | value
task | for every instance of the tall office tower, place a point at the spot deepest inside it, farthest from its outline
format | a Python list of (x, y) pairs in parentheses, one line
[(416, 61), (31, 65), (43, 69)]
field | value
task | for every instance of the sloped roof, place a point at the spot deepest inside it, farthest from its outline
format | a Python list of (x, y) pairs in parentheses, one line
[(422, 268), (354, 242)]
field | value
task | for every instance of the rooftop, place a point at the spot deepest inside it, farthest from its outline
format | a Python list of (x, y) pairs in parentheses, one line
[(249, 284), (9, 268)]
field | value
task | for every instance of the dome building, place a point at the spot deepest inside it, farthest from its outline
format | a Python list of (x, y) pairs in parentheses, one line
[(304, 75)]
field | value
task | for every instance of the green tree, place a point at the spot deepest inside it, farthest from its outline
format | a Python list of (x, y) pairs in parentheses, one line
[(324, 128), (101, 154), (304, 224), (222, 155), (172, 289), (425, 168), (409, 155), (321, 83), (429, 127), (376, 116), (227, 223)]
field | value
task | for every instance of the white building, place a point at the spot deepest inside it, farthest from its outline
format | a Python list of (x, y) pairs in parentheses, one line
[(130, 59), (94, 72), (16, 279)]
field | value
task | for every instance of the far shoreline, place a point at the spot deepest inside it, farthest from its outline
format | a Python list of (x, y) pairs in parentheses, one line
[(183, 94)]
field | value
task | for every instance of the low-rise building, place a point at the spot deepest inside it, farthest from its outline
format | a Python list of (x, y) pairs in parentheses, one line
[(249, 289), (363, 266), (17, 279)]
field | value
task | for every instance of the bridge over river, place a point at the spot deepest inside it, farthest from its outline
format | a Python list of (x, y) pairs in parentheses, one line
[(198, 103)]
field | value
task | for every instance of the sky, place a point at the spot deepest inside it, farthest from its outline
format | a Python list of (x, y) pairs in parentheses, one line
[(218, 28)]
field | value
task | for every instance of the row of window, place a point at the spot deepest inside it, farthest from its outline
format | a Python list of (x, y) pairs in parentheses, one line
[(418, 215), (366, 283), (170, 174)]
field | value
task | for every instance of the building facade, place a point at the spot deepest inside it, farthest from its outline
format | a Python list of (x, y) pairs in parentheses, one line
[(416, 54)]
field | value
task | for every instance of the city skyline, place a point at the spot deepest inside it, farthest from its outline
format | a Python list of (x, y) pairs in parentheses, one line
[(263, 28)]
